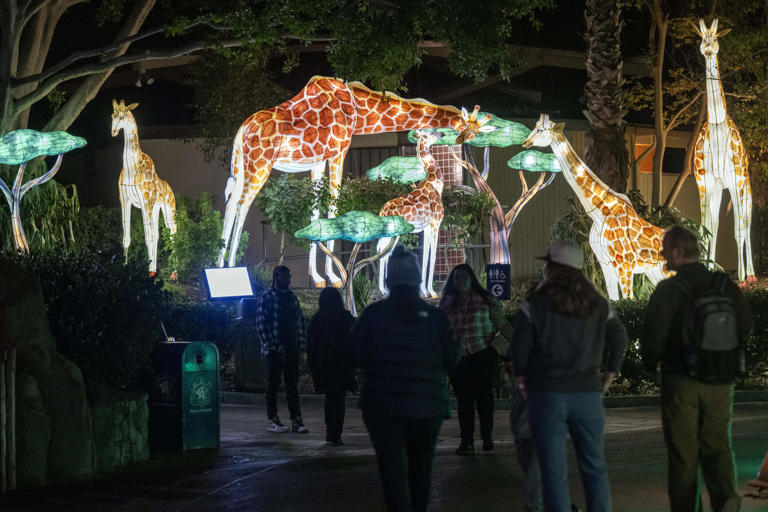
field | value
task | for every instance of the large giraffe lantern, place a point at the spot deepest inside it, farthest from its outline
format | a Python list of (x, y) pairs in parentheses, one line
[(313, 128), (720, 162), (624, 243), (140, 186)]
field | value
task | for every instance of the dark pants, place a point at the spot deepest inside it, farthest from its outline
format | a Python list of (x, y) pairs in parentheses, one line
[(472, 380), (697, 431), (525, 452), (334, 411), (404, 451), (285, 366)]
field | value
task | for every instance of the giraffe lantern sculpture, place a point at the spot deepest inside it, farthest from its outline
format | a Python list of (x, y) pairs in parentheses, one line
[(624, 243), (720, 162), (140, 186), (311, 129)]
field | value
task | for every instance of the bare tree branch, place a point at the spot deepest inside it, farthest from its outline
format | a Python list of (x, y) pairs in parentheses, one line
[(674, 121)]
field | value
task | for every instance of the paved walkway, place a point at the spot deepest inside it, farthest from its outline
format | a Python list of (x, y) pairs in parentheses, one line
[(258, 471)]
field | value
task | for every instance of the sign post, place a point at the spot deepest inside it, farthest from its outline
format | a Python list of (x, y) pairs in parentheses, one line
[(497, 280)]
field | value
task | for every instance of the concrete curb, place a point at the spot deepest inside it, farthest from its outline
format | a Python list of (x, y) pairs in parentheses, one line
[(246, 398)]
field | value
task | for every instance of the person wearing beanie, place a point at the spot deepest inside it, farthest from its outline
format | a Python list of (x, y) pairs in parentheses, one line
[(281, 327), (405, 348), (564, 330)]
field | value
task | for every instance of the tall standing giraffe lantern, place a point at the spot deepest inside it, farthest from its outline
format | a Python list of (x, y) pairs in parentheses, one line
[(140, 186), (720, 162), (623, 242), (311, 129)]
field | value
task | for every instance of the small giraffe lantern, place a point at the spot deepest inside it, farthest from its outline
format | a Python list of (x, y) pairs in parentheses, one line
[(140, 186), (720, 162), (623, 242), (313, 128)]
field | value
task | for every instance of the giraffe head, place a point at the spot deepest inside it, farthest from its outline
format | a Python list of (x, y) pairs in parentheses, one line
[(121, 116), (543, 133), (427, 137), (470, 125), (709, 45)]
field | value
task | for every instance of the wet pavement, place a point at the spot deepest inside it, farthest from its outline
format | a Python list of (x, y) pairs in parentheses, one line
[(263, 472)]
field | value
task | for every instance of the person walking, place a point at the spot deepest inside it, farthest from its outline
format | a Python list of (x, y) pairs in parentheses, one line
[(476, 316), (562, 330), (405, 348), (696, 415), (331, 374), (281, 327)]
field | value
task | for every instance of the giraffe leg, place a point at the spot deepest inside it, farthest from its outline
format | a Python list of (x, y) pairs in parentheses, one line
[(149, 241), (655, 274), (155, 237), (713, 198), (742, 220), (625, 283), (427, 233), (432, 261), (611, 280), (126, 208), (233, 193), (317, 176), (335, 170), (383, 264), (242, 212)]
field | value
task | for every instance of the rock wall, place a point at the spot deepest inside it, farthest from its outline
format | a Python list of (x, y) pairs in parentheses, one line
[(120, 429)]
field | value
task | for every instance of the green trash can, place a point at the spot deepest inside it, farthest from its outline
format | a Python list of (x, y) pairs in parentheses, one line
[(184, 403)]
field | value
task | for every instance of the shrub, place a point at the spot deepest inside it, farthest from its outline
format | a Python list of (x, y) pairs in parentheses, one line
[(104, 314)]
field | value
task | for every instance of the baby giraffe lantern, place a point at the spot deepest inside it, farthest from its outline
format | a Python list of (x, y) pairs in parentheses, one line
[(140, 186)]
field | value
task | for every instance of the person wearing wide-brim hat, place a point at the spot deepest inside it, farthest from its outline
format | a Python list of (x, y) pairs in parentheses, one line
[(562, 330), (405, 348)]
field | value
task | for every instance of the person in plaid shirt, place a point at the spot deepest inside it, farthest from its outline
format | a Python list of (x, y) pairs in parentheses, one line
[(475, 316), (282, 330)]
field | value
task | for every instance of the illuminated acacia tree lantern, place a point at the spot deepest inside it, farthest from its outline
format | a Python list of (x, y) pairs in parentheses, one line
[(720, 162), (422, 207), (400, 169), (357, 227), (140, 186), (311, 129), (497, 132), (624, 243), (18, 148)]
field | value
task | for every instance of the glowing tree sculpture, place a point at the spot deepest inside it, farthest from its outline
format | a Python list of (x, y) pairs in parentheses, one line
[(623, 242), (357, 227), (422, 207), (314, 128), (720, 162), (18, 148), (501, 223), (140, 186), (400, 169)]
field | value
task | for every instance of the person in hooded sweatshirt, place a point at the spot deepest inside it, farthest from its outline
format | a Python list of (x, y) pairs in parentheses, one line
[(331, 374)]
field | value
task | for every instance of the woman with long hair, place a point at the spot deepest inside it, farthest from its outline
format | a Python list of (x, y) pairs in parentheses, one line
[(562, 330), (476, 316), (331, 374), (405, 348)]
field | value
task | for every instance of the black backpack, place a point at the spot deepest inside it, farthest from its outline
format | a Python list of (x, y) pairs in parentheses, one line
[(712, 350)]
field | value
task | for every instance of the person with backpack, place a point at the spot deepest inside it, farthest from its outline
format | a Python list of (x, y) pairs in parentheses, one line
[(693, 337)]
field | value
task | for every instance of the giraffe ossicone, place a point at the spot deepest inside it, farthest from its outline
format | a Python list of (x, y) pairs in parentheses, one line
[(423, 208), (314, 129), (720, 162), (623, 242), (140, 186)]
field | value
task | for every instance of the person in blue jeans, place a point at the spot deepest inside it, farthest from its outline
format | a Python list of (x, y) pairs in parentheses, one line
[(562, 332)]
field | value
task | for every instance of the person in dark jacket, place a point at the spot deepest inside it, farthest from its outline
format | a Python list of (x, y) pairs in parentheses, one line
[(331, 374), (696, 416), (405, 348), (561, 332)]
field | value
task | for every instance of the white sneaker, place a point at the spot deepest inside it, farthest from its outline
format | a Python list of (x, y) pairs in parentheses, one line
[(276, 426), (297, 425)]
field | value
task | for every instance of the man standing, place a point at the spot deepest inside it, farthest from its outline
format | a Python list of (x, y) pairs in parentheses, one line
[(696, 415), (280, 325)]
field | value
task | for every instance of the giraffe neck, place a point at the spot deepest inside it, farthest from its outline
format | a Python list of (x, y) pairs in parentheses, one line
[(434, 175), (393, 113), (590, 190), (716, 113), (131, 148)]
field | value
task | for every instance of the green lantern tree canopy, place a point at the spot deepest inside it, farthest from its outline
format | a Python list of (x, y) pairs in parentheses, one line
[(355, 226), (21, 146), (507, 133), (534, 161), (400, 169)]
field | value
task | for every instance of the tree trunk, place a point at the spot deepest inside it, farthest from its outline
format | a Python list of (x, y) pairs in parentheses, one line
[(605, 150), (688, 156), (660, 24)]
